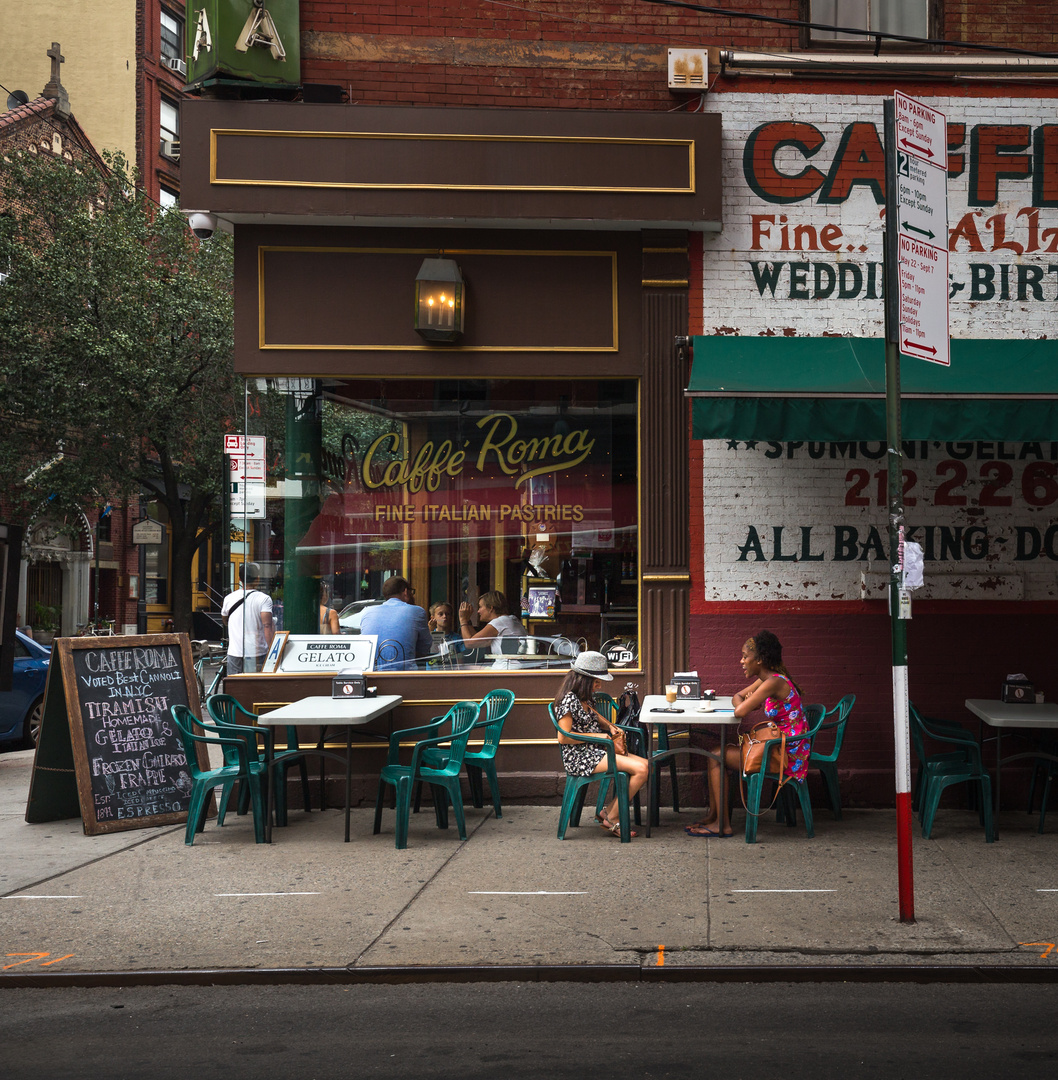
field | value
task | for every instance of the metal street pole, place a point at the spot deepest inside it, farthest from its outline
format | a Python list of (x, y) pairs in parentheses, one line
[(894, 465)]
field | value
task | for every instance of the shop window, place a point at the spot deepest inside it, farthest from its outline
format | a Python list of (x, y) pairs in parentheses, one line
[(463, 487), (907, 17)]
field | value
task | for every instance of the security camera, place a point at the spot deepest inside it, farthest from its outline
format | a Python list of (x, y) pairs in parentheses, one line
[(203, 224)]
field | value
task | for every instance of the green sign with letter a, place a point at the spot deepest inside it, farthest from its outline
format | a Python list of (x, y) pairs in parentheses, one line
[(257, 40)]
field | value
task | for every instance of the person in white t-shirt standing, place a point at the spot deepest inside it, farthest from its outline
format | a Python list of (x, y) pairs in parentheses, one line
[(247, 613)]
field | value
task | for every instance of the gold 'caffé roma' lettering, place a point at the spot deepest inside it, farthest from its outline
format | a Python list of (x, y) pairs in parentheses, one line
[(501, 443)]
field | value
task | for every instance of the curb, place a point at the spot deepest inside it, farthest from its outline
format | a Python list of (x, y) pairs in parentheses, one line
[(572, 973)]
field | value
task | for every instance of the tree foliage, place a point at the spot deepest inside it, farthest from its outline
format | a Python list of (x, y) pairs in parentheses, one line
[(116, 341)]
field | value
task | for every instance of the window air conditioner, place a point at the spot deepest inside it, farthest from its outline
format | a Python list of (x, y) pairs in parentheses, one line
[(175, 64), (171, 149)]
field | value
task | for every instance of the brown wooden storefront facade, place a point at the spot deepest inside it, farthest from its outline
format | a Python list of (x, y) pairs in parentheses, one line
[(573, 231)]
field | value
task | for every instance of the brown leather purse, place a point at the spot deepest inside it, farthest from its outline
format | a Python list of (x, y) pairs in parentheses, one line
[(751, 745)]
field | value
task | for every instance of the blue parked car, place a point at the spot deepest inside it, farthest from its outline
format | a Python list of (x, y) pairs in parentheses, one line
[(22, 707)]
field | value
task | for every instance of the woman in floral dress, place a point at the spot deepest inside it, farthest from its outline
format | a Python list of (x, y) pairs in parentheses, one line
[(772, 688)]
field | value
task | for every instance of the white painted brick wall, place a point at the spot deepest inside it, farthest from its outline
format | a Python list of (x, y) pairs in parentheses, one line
[(742, 488), (731, 302)]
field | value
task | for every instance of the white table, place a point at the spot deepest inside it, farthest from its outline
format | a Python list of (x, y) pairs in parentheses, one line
[(1006, 714), (330, 712), (656, 710)]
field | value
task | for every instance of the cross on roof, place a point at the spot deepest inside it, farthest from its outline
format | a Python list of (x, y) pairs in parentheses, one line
[(56, 59), (55, 88)]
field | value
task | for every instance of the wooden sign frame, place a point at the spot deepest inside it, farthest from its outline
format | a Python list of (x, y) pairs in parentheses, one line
[(64, 758)]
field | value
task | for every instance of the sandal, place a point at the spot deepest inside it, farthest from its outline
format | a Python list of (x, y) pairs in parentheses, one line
[(614, 826), (704, 830)]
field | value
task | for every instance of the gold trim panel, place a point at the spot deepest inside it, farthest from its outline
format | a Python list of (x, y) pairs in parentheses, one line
[(215, 178), (666, 577), (665, 283), (263, 345)]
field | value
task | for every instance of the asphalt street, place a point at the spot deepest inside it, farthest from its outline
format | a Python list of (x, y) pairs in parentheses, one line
[(523, 1030)]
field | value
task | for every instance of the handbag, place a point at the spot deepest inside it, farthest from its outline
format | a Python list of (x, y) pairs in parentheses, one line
[(751, 745), (619, 742), (628, 710)]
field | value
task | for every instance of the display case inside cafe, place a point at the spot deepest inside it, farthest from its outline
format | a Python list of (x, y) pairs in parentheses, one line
[(465, 487)]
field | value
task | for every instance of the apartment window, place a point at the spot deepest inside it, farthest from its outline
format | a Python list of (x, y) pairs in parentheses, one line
[(169, 124), (169, 117), (172, 37), (167, 199), (907, 17)]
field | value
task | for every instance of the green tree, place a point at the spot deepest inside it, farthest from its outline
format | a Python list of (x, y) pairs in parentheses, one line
[(116, 342)]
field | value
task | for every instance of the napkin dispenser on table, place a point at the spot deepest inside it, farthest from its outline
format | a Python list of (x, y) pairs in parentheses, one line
[(349, 685), (688, 685), (1018, 689)]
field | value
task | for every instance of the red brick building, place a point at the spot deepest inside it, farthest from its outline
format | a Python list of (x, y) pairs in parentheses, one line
[(740, 520)]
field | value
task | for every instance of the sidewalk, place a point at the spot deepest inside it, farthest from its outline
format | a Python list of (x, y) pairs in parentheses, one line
[(513, 896)]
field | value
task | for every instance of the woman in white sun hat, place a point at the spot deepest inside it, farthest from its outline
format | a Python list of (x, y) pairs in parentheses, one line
[(575, 708)]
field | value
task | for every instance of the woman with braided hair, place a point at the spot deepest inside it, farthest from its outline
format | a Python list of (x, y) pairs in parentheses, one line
[(771, 687)]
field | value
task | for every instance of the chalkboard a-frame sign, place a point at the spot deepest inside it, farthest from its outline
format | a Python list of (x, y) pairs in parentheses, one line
[(108, 746)]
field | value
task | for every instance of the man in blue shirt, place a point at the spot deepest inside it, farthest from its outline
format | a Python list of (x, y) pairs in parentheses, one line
[(401, 627)]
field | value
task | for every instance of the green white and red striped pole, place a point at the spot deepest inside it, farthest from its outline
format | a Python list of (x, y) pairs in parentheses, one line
[(894, 466)]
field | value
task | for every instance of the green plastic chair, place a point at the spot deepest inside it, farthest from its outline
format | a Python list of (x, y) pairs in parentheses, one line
[(1049, 770), (755, 781), (661, 735), (576, 786), (241, 762), (462, 717), (608, 708), (932, 763), (827, 764), (941, 771), (495, 706), (225, 712)]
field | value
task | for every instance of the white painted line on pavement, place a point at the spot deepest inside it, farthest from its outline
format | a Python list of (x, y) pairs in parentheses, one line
[(40, 896), (781, 890), (538, 892), (266, 894), (1047, 890)]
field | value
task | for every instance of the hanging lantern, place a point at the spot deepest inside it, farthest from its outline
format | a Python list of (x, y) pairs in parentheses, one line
[(440, 300)]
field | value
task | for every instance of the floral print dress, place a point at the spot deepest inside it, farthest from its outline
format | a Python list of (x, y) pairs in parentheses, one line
[(580, 759), (790, 716)]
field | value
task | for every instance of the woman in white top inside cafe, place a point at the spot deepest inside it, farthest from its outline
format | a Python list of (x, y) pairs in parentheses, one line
[(497, 624)]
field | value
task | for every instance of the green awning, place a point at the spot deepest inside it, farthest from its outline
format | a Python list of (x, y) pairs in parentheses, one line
[(832, 389)]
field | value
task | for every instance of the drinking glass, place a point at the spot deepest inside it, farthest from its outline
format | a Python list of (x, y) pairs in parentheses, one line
[(670, 693)]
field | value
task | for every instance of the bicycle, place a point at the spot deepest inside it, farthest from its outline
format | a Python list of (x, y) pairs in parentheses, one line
[(210, 654)]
